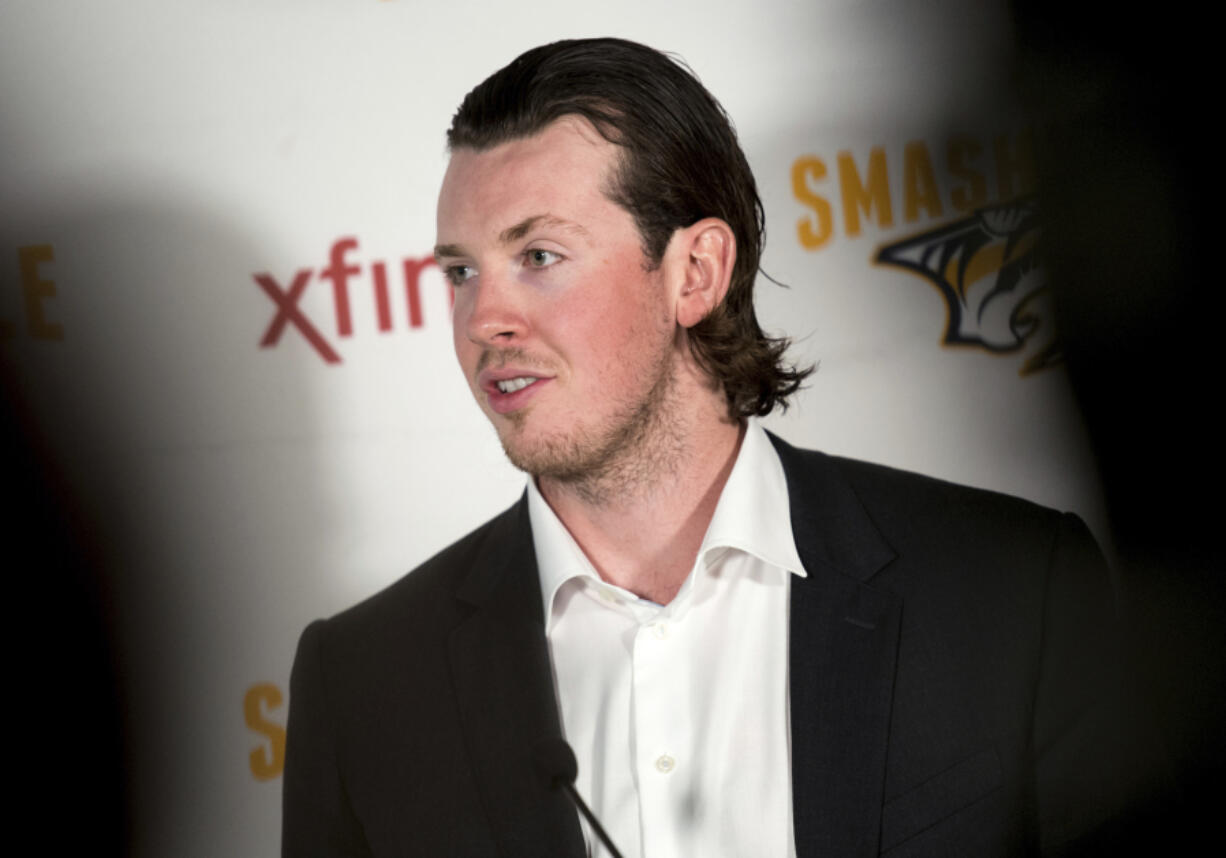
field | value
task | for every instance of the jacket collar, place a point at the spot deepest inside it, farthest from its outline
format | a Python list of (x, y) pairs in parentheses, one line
[(842, 646), (504, 690)]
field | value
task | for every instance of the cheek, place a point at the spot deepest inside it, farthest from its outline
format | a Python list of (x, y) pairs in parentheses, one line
[(466, 351), (639, 322)]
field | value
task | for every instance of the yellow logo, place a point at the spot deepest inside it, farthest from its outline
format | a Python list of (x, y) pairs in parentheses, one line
[(985, 262), (987, 268)]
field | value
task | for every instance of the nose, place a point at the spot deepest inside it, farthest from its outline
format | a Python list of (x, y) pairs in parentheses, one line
[(492, 311)]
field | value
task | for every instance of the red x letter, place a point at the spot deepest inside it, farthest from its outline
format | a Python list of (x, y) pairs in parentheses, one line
[(287, 311)]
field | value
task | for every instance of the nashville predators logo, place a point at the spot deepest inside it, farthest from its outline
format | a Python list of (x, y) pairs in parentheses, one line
[(987, 268)]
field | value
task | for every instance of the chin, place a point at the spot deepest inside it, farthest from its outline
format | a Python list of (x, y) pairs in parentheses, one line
[(559, 457), (621, 454)]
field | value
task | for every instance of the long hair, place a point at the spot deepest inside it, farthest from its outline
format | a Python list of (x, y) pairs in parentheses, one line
[(680, 163)]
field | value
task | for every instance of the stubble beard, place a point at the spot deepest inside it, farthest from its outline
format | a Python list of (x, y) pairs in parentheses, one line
[(636, 449)]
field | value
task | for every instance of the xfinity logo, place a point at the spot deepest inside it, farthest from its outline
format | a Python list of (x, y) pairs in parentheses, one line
[(340, 272)]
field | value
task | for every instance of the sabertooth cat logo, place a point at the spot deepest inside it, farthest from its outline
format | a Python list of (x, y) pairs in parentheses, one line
[(987, 267)]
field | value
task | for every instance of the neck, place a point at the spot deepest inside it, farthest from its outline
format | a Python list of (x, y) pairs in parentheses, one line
[(641, 520)]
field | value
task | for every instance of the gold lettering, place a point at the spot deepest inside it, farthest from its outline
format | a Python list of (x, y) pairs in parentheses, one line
[(816, 230), (962, 152), (919, 183), (1013, 163), (861, 196), (34, 290), (265, 765)]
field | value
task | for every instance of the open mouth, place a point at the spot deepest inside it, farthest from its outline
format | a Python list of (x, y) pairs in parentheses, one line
[(510, 394), (510, 385)]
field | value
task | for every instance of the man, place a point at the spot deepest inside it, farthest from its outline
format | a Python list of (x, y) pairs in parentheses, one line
[(754, 650)]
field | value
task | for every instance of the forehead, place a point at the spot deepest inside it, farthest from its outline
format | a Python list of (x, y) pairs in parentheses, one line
[(563, 170)]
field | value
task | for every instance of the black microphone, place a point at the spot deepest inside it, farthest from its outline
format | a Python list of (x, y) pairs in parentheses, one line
[(555, 763)]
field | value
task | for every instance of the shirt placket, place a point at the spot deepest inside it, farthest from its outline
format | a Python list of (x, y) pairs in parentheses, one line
[(660, 719)]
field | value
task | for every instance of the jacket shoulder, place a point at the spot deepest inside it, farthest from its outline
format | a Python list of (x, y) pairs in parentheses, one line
[(907, 503), (429, 597)]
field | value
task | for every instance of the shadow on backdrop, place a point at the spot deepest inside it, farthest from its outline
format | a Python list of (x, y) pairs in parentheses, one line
[(1127, 172)]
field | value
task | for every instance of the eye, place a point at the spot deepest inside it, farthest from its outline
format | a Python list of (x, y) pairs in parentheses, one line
[(457, 274), (540, 258)]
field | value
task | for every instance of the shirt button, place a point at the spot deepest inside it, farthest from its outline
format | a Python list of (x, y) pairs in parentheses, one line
[(665, 764), (660, 630), (609, 596)]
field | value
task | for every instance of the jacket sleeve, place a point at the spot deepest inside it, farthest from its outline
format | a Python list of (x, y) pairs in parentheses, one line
[(317, 818), (1096, 762)]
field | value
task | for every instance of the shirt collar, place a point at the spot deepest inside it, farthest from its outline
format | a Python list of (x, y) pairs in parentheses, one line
[(558, 557), (753, 515)]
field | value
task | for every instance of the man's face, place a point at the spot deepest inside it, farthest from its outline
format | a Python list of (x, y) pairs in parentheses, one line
[(567, 340)]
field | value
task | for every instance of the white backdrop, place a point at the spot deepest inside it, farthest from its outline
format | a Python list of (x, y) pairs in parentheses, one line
[(158, 160)]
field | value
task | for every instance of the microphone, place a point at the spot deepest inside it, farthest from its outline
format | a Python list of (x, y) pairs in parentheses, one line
[(555, 764)]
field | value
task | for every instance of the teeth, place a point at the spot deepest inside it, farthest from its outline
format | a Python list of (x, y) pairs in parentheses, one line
[(513, 384)]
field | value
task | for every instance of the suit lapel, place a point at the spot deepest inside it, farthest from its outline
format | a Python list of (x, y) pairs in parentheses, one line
[(843, 641), (504, 688)]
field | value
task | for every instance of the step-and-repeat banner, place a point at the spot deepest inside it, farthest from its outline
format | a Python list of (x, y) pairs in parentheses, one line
[(218, 303)]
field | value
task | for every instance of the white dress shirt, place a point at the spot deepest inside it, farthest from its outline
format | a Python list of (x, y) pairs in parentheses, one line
[(678, 714)]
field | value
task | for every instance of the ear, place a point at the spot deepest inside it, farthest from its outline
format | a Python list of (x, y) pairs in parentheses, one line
[(704, 254)]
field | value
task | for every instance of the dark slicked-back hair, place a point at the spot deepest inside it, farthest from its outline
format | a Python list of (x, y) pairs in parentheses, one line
[(680, 163)]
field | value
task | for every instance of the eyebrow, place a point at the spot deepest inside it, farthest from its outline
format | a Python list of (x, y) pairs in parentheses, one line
[(444, 250), (516, 232)]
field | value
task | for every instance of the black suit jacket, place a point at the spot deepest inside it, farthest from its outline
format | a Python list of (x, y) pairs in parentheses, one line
[(953, 681)]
